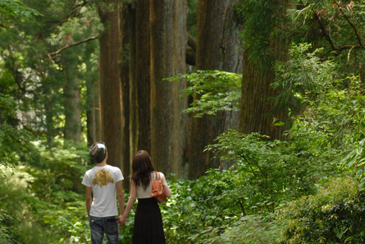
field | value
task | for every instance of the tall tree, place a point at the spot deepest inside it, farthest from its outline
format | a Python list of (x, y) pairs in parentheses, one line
[(133, 104), (264, 46), (110, 84), (217, 49), (71, 92), (142, 75), (139, 75), (125, 83), (92, 99), (168, 45), (256, 108)]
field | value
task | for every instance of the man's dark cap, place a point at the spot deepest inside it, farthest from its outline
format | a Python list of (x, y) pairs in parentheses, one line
[(98, 151)]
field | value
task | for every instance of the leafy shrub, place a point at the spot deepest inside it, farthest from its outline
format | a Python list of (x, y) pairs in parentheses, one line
[(69, 222), (336, 214), (252, 229), (213, 91), (192, 215), (46, 187), (266, 173), (20, 221), (302, 78), (179, 214)]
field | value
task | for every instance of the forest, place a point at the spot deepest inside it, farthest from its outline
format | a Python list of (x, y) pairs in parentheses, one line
[(254, 110)]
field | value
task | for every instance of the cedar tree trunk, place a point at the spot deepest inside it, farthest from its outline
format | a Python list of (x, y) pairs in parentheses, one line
[(110, 84), (168, 50), (217, 49)]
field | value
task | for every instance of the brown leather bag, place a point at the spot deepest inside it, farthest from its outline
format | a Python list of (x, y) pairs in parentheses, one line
[(158, 191)]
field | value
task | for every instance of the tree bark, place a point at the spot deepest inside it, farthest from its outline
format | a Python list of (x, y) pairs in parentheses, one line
[(217, 49), (142, 76), (110, 84), (47, 96), (93, 98), (256, 110), (133, 119), (168, 44), (71, 93), (124, 76), (93, 112)]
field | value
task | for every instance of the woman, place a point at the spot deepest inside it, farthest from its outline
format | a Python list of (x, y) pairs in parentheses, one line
[(148, 226)]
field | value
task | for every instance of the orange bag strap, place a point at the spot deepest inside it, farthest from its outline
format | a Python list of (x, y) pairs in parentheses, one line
[(157, 174)]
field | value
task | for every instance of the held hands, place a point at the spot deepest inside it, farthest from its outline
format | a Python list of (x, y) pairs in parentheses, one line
[(122, 220)]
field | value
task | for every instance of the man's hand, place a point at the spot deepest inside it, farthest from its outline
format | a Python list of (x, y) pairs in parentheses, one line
[(122, 220), (88, 199)]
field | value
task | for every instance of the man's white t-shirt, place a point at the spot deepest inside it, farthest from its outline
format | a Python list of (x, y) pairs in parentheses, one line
[(103, 181)]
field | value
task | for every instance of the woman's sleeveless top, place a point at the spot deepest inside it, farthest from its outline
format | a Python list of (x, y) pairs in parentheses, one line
[(141, 193)]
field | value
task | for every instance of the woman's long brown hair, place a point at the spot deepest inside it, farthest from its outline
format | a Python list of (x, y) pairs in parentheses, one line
[(141, 169)]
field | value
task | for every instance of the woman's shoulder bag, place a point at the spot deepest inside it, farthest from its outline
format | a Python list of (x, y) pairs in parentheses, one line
[(158, 191)]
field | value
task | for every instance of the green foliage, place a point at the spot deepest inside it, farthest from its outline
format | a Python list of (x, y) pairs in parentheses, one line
[(69, 223), (335, 26), (5, 231), (329, 104), (267, 174), (213, 91), (226, 205), (270, 172), (179, 213), (126, 233), (15, 144), (334, 215), (19, 218), (191, 18), (305, 74), (356, 160), (264, 175), (32, 48), (339, 112), (16, 8), (59, 171), (209, 210), (254, 229), (7, 106), (261, 20), (189, 217), (46, 187)]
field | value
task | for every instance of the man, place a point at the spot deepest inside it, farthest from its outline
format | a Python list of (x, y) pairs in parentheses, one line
[(103, 181)]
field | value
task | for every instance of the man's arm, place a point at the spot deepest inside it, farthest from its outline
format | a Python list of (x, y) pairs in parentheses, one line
[(88, 200), (132, 198), (120, 196)]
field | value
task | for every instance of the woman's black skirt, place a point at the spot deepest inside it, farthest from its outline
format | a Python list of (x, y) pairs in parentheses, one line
[(148, 228)]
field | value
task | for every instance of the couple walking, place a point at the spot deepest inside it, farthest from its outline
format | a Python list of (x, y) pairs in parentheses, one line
[(105, 181)]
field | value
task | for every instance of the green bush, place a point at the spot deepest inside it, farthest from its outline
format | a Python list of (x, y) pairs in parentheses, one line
[(20, 219), (336, 214), (252, 229)]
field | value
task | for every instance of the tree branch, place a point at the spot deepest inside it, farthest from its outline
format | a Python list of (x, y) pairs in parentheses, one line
[(74, 11), (242, 207), (71, 45), (326, 35), (351, 24)]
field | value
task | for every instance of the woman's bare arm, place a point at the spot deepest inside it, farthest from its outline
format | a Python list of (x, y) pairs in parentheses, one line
[(166, 188)]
